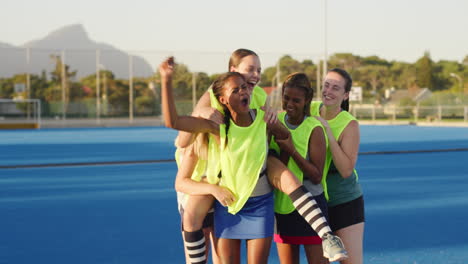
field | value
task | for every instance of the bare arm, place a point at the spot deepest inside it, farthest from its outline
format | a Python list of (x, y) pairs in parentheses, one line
[(345, 151), (202, 109), (278, 130), (171, 118), (317, 154), (185, 184), (317, 151)]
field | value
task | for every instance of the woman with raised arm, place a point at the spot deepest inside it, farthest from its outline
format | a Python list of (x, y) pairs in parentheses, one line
[(247, 63), (243, 156)]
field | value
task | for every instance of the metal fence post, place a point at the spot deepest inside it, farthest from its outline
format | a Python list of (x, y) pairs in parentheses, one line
[(465, 114), (64, 83), (194, 90), (416, 113), (130, 81), (98, 88), (373, 113), (439, 110)]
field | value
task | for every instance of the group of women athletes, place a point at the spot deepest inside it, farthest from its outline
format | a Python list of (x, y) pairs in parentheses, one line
[(248, 173)]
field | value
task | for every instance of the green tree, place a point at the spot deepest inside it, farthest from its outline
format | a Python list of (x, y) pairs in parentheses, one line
[(203, 82), (288, 65), (375, 60), (346, 61), (402, 75), (54, 91), (181, 82), (373, 78), (424, 75), (6, 88), (39, 84)]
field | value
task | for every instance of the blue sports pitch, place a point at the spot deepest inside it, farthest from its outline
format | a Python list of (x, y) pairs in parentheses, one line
[(105, 195)]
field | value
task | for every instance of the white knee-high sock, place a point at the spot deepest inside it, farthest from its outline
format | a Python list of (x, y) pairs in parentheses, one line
[(308, 208)]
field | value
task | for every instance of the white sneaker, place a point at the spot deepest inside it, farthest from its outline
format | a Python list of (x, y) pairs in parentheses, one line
[(333, 248)]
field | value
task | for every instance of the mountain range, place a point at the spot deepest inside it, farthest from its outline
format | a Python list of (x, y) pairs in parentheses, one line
[(80, 55)]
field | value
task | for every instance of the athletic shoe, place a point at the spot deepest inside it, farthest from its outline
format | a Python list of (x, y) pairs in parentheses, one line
[(333, 248)]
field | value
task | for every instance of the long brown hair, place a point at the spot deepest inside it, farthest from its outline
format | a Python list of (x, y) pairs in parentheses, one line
[(238, 55)]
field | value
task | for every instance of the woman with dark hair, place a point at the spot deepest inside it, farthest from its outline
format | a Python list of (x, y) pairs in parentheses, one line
[(195, 192), (247, 63), (304, 154), (343, 191), (246, 170)]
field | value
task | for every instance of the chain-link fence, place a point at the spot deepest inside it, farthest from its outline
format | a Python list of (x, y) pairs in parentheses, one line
[(104, 84), (411, 114)]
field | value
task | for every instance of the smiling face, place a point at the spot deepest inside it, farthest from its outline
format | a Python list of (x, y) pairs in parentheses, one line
[(333, 92), (250, 68), (294, 102), (236, 95)]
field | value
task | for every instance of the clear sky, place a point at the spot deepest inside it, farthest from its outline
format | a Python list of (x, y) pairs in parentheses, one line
[(392, 29)]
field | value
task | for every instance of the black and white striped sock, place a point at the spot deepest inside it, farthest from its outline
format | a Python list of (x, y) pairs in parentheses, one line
[(308, 208), (196, 246)]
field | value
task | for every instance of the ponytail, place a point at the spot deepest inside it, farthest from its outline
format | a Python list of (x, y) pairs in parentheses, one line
[(227, 122)]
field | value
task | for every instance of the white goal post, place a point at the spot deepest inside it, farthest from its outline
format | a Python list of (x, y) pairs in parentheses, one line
[(20, 113)]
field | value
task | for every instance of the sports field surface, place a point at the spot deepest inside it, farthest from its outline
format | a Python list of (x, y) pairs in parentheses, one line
[(105, 195)]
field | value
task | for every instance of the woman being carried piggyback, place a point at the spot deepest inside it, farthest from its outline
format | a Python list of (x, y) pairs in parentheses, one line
[(243, 156)]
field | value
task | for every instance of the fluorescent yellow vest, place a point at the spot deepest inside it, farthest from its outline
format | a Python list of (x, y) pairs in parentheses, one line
[(201, 168), (242, 158), (258, 100), (337, 125), (300, 137)]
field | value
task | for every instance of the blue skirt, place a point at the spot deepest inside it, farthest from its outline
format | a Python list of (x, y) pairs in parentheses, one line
[(255, 220)]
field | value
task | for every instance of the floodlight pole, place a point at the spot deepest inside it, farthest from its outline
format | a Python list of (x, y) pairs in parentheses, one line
[(64, 82), (28, 77), (98, 87), (130, 96), (194, 90), (325, 52)]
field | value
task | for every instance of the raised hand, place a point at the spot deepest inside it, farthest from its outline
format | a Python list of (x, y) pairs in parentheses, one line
[(166, 69)]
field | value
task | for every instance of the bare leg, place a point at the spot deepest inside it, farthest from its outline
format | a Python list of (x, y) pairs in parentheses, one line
[(314, 254), (209, 235), (258, 250), (288, 253), (228, 250), (352, 237), (195, 211)]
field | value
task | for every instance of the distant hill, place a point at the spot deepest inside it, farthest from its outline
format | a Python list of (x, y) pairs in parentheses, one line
[(80, 55)]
